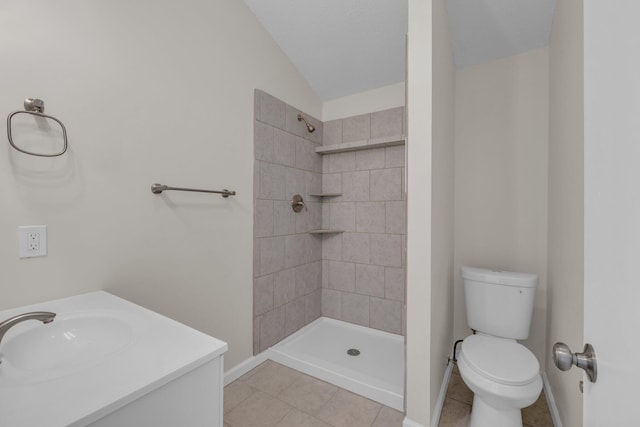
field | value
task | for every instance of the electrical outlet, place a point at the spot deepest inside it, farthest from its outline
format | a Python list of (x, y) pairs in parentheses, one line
[(32, 241)]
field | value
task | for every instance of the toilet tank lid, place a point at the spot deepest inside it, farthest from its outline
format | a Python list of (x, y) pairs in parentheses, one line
[(507, 278)]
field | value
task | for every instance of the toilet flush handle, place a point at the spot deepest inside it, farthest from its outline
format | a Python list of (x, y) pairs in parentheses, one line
[(564, 359)]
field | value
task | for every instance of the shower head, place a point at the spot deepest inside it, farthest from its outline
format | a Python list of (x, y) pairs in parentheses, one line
[(310, 127)]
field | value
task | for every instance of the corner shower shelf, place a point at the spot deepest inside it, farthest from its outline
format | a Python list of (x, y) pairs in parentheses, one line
[(325, 194), (367, 144), (325, 231)]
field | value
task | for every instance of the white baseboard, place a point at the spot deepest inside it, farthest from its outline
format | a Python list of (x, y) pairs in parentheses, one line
[(409, 423), (443, 393), (553, 408), (243, 367)]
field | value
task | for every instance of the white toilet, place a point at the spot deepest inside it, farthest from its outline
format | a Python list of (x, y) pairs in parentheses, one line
[(503, 375)]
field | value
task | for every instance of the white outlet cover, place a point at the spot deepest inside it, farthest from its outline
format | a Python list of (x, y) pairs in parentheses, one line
[(38, 235)]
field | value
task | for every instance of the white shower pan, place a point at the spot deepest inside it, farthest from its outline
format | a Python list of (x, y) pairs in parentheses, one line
[(320, 350)]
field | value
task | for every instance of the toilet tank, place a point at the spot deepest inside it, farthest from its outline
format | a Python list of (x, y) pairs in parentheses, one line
[(499, 303)]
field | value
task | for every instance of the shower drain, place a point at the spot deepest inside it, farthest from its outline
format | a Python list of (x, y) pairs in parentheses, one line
[(353, 352)]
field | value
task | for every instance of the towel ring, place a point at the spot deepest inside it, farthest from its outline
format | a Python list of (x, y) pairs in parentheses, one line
[(35, 107)]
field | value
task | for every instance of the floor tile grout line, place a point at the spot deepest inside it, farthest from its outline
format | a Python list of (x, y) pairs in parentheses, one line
[(377, 415)]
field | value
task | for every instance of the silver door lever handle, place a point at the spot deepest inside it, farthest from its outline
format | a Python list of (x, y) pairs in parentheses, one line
[(564, 359)]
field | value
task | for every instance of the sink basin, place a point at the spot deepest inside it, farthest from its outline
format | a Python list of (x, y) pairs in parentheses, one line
[(73, 341), (102, 358)]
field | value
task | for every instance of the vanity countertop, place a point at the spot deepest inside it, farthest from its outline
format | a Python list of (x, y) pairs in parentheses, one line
[(142, 351)]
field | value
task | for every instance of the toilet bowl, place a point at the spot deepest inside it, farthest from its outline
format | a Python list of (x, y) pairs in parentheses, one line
[(503, 374), (504, 377)]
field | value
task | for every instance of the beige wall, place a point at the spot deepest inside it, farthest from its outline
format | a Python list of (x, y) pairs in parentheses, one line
[(378, 99), (150, 92), (566, 189), (501, 177), (419, 151), (442, 199)]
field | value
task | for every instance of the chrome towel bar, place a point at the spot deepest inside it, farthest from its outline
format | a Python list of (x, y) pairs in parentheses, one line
[(159, 188)]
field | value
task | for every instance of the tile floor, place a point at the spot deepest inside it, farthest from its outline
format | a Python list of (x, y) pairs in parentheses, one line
[(274, 395), (457, 407)]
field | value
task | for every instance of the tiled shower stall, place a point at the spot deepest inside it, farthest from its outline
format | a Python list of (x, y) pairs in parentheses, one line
[(352, 266)]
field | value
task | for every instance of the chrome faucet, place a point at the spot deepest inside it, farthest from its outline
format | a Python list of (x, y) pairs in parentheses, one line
[(43, 316)]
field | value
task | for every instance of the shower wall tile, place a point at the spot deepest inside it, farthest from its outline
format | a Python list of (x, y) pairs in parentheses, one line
[(264, 218), (332, 183), (287, 260), (312, 306), (284, 148), (264, 136), (355, 247), (355, 186), (395, 217), (394, 283), (314, 182), (271, 254), (269, 109), (308, 278), (271, 179), (309, 218), (370, 159), (306, 156), (355, 308), (341, 162), (256, 334), (296, 250), (295, 183), (326, 215), (387, 123), (331, 303), (394, 157), (284, 218), (332, 247), (343, 216), (370, 280), (370, 217), (356, 128), (294, 316), (386, 184), (386, 250), (256, 258), (263, 294), (342, 276), (386, 315), (325, 274), (332, 132), (272, 327), (284, 286)]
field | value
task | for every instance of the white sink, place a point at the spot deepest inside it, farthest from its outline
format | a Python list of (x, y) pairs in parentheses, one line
[(72, 342), (99, 357)]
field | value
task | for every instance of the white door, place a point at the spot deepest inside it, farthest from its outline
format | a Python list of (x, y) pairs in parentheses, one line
[(612, 210)]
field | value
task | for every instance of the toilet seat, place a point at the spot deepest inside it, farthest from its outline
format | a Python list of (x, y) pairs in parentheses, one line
[(500, 360)]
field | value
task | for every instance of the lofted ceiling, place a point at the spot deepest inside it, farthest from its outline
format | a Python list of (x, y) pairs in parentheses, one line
[(343, 47), (486, 30)]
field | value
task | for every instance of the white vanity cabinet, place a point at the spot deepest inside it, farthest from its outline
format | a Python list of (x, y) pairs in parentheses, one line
[(192, 400)]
